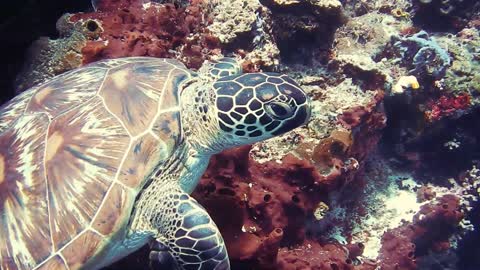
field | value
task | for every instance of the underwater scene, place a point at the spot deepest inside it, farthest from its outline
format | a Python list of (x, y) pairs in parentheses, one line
[(240, 134)]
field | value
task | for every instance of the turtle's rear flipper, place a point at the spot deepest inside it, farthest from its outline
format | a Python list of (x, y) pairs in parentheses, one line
[(190, 235)]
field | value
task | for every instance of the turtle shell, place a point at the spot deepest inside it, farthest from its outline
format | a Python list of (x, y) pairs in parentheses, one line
[(74, 153)]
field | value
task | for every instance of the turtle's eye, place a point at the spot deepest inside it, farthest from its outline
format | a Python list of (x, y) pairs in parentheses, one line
[(279, 110)]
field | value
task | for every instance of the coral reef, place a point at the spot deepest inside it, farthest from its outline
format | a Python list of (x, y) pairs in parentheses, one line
[(463, 74), (313, 255), (429, 230), (350, 190), (447, 105), (266, 30), (135, 28)]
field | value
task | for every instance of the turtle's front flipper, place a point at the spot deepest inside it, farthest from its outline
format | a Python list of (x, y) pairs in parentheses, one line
[(190, 235)]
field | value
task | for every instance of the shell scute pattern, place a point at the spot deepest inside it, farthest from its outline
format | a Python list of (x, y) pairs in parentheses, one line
[(119, 200), (82, 248), (55, 262), (77, 151), (143, 153), (250, 79), (10, 111), (84, 150), (113, 63), (24, 210), (57, 96), (132, 93)]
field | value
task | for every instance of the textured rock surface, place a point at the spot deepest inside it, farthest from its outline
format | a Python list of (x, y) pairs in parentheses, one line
[(444, 14)]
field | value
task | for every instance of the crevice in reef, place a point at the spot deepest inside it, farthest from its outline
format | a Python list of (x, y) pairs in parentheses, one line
[(444, 149), (299, 48), (444, 15)]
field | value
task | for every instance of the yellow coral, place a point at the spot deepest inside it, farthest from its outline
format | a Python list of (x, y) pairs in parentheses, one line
[(399, 13), (405, 82), (321, 210)]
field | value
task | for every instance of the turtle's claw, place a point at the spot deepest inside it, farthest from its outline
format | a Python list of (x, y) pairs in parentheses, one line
[(158, 246), (160, 257)]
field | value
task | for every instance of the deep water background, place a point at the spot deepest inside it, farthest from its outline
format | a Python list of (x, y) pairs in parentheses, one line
[(23, 21)]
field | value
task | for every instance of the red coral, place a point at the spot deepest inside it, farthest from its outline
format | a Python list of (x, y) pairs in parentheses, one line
[(367, 121), (430, 230), (446, 105), (260, 206), (252, 202), (425, 193), (133, 29), (355, 116), (313, 255)]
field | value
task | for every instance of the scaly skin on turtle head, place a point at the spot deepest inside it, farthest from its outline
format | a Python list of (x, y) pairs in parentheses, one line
[(225, 108)]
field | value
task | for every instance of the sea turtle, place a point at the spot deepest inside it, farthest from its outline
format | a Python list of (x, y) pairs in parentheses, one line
[(99, 161)]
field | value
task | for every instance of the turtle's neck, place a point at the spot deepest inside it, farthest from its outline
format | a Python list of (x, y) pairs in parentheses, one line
[(199, 118)]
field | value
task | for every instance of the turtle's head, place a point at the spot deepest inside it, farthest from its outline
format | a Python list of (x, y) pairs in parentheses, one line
[(257, 106), (244, 108)]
